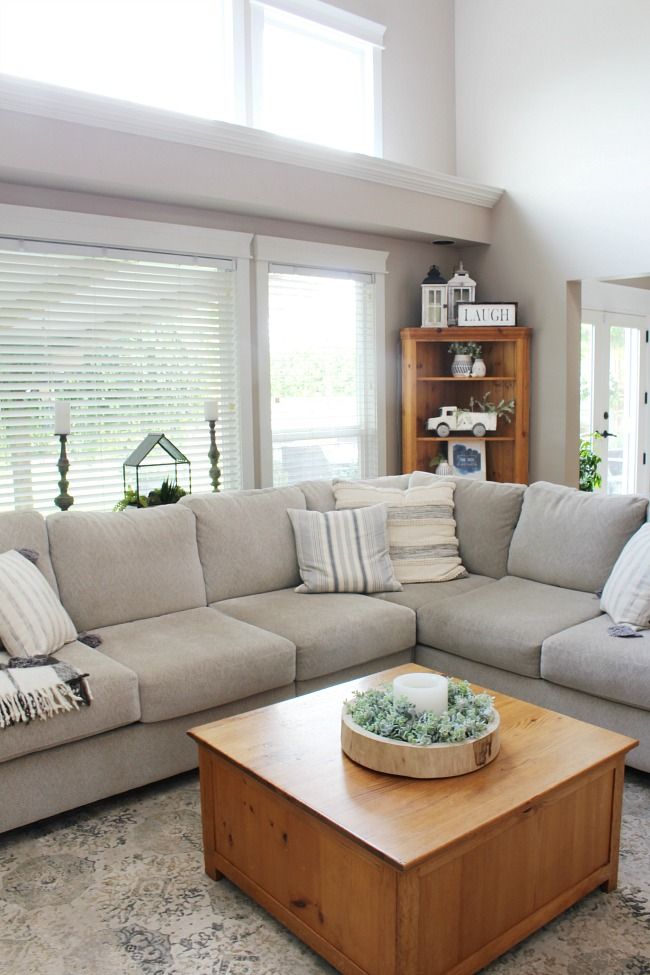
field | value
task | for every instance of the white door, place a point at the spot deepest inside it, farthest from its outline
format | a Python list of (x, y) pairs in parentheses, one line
[(613, 397)]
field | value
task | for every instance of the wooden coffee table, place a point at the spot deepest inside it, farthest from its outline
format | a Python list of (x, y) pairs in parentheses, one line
[(384, 875)]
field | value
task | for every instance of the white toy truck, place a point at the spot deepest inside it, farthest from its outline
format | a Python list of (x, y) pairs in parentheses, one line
[(453, 419)]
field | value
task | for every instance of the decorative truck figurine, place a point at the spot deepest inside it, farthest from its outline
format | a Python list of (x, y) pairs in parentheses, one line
[(454, 419)]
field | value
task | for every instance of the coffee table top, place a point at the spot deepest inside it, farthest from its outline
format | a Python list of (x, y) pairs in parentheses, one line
[(294, 748)]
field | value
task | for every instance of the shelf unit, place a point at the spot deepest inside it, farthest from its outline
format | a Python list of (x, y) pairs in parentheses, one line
[(427, 385)]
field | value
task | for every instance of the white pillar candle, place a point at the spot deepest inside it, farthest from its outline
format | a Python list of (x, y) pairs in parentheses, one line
[(211, 409), (61, 418), (428, 692)]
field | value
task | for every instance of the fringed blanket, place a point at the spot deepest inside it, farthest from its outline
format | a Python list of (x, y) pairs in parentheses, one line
[(40, 687)]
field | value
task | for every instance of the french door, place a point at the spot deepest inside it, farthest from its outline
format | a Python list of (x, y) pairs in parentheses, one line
[(613, 397)]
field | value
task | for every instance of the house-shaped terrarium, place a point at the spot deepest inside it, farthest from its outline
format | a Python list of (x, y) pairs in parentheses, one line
[(151, 472)]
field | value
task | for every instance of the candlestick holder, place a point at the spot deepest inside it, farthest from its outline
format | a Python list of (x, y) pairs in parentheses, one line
[(213, 454), (64, 500)]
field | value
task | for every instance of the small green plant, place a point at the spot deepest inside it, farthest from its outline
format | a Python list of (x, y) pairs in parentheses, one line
[(466, 348), (504, 408), (467, 716), (130, 500), (590, 477), (169, 492)]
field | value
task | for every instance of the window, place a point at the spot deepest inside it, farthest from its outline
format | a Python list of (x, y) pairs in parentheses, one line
[(322, 339), (300, 68), (136, 343)]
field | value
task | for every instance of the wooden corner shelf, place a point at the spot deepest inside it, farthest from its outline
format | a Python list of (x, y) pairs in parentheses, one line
[(427, 385)]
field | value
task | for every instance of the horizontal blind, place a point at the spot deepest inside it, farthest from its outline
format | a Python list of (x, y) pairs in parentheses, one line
[(135, 346), (322, 346)]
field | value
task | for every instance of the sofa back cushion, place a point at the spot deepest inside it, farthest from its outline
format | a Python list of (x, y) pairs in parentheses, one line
[(246, 543), (115, 567), (26, 529), (572, 538), (486, 513)]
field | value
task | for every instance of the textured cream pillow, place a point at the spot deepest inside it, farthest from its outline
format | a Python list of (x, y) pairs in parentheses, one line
[(32, 619), (421, 527)]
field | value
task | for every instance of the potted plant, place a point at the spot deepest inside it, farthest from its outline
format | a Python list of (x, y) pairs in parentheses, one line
[(504, 408), (590, 476), (441, 465), (464, 353)]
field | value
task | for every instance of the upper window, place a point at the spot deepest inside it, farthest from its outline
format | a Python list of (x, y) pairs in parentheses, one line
[(299, 68)]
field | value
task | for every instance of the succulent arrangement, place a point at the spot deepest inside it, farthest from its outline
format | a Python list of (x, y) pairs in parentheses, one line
[(169, 492), (467, 716)]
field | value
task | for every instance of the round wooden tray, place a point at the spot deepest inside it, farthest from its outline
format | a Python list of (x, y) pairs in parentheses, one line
[(419, 761)]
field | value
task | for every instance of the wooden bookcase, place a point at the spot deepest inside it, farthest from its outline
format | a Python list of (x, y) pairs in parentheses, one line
[(427, 384)]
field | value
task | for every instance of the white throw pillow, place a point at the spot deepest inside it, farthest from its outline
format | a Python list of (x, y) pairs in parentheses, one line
[(32, 619), (626, 596), (343, 551), (421, 527)]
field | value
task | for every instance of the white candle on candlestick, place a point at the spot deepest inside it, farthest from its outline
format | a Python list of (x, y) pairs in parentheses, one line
[(211, 409), (61, 418), (428, 692)]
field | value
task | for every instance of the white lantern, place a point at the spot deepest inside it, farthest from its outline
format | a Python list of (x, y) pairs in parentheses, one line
[(460, 288), (434, 299)]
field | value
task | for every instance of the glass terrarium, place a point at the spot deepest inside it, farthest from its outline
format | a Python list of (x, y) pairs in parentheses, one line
[(152, 472)]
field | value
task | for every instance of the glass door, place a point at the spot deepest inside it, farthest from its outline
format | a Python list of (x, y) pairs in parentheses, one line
[(613, 384)]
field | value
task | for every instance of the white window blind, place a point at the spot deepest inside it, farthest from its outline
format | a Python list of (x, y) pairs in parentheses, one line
[(135, 343), (322, 342)]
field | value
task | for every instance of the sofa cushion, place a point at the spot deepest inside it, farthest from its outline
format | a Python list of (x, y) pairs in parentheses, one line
[(117, 566), (343, 551), (246, 542), (421, 527), (586, 658), (115, 703), (32, 619), (197, 659), (504, 624), (26, 529), (571, 538), (319, 495), (422, 593), (331, 631), (486, 513)]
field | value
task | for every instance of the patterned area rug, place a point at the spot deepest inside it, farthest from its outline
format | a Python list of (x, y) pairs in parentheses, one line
[(118, 889)]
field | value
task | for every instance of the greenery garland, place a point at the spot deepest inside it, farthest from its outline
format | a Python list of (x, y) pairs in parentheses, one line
[(466, 717)]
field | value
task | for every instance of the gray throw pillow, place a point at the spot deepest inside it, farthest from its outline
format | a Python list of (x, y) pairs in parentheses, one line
[(343, 551)]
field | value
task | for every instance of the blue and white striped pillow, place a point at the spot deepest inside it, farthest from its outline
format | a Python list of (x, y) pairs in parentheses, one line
[(343, 551), (626, 596)]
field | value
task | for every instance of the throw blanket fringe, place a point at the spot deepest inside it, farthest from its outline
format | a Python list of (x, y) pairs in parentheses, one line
[(40, 690)]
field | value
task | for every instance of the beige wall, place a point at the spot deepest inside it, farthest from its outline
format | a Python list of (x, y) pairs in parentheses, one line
[(552, 102)]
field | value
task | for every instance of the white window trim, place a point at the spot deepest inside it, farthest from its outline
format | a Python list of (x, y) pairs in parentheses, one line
[(330, 16), (55, 226), (334, 257)]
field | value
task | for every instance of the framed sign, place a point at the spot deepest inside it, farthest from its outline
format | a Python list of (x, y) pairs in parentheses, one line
[(487, 312), (467, 457)]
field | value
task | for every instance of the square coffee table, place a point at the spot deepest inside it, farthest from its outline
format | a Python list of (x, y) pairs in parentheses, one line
[(384, 875)]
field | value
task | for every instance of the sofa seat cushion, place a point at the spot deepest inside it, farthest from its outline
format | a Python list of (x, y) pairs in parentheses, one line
[(418, 594), (115, 703), (586, 658), (331, 631), (504, 624), (197, 659)]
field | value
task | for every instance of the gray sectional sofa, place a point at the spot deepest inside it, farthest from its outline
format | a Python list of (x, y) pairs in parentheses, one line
[(196, 610)]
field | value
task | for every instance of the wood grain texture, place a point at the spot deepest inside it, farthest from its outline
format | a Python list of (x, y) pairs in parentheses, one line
[(385, 875)]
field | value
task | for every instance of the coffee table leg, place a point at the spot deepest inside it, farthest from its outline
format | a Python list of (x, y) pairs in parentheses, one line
[(207, 814), (615, 837)]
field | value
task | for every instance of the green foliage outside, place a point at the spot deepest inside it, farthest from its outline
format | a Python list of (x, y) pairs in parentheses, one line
[(590, 478)]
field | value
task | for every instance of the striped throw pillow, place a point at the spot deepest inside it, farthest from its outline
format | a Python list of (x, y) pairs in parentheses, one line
[(32, 620), (343, 551), (421, 527), (626, 596)]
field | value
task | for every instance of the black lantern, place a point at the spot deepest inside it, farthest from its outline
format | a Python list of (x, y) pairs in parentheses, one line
[(434, 299), (155, 451)]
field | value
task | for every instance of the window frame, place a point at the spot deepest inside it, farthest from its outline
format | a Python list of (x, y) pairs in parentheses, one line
[(129, 235), (318, 257)]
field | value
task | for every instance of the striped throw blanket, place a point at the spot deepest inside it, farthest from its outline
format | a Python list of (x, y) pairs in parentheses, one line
[(40, 687)]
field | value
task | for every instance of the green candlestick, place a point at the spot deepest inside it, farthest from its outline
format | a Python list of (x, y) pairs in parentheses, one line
[(213, 454), (64, 500)]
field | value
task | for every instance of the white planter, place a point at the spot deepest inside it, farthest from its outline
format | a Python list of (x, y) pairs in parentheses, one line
[(479, 368), (462, 365)]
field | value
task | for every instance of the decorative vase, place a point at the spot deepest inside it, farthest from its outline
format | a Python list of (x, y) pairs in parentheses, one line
[(462, 365), (444, 469), (479, 368)]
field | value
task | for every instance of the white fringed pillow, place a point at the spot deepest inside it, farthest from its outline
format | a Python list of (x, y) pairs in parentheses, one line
[(421, 527), (626, 596), (32, 619)]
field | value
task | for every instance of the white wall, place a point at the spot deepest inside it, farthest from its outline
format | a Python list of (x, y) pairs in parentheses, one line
[(552, 101)]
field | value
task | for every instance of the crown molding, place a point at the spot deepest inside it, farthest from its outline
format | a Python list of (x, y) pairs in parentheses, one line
[(48, 101)]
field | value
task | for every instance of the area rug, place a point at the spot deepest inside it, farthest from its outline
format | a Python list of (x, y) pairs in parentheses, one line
[(118, 888)]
